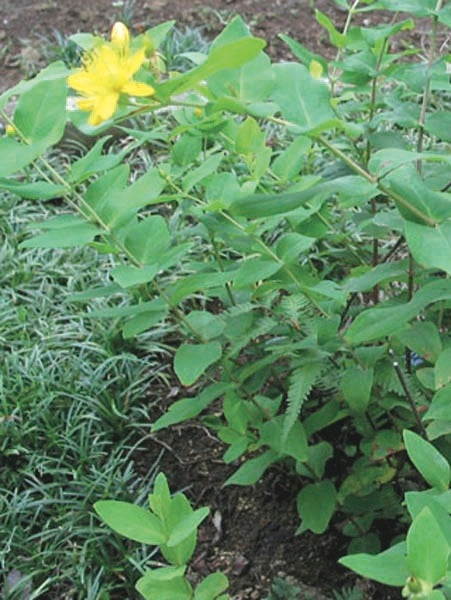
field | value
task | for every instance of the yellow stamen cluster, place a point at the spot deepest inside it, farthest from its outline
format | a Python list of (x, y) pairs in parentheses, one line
[(107, 73)]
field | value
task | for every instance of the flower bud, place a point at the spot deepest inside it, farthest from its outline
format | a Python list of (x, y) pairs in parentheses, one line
[(10, 130), (120, 35)]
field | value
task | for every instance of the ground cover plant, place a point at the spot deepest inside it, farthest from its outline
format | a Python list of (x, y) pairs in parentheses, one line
[(293, 228)]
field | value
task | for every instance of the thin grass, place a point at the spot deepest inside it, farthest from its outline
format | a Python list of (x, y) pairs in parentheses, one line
[(71, 414)]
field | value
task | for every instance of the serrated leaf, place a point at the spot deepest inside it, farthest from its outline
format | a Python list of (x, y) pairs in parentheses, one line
[(301, 382)]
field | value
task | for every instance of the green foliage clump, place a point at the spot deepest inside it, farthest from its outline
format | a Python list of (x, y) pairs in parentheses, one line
[(292, 229)]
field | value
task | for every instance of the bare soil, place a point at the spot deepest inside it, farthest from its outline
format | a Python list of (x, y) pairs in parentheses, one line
[(27, 26)]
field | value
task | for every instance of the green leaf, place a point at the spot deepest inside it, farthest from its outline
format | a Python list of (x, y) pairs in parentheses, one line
[(186, 149), (356, 386), (389, 567), (302, 100), (208, 325), (197, 175), (228, 56), (415, 200), (253, 270), (251, 471), (267, 205), (39, 190), (316, 504), (371, 276), (143, 322), (376, 323), (318, 455), (187, 526), (437, 504), (156, 35), (55, 71), (443, 369), (131, 521), (290, 443), (423, 338), (432, 465), (250, 139), (128, 310), (440, 407), (128, 276), (40, 114), (301, 52), (148, 239), (210, 588), (63, 232), (165, 584), (337, 39), (192, 360), (247, 87), (289, 162), (196, 282), (15, 156), (290, 245), (188, 408), (93, 162), (419, 8), (430, 246), (427, 549), (301, 382), (145, 190), (438, 123), (179, 508)]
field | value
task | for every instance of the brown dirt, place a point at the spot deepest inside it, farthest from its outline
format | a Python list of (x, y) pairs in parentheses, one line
[(26, 26), (251, 533)]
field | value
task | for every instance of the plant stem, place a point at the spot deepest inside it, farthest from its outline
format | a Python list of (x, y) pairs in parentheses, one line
[(410, 399)]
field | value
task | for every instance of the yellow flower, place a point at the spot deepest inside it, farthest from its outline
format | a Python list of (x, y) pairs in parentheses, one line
[(107, 73)]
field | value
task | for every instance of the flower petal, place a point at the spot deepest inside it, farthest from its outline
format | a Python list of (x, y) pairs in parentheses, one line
[(135, 61), (137, 88)]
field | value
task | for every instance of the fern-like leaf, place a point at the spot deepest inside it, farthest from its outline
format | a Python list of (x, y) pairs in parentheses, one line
[(301, 382)]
